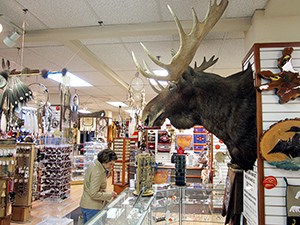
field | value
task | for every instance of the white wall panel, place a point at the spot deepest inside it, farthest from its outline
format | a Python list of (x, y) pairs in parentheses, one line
[(272, 112)]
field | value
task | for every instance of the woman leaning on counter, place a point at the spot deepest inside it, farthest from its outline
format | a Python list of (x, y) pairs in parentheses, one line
[(94, 196)]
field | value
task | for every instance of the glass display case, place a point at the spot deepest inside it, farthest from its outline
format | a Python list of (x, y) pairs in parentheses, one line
[(126, 209), (201, 205), (194, 204)]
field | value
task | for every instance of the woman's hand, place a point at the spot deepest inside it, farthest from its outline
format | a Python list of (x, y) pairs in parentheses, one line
[(114, 194)]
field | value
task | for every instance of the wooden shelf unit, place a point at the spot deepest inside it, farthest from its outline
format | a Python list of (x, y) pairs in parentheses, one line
[(23, 181), (120, 174), (7, 170)]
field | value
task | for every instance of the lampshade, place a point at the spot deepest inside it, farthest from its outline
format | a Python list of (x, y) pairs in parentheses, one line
[(11, 40)]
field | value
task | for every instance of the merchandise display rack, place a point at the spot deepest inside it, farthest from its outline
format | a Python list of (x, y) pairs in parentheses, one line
[(91, 150), (8, 151), (56, 172), (81, 162), (120, 175), (77, 166), (23, 181)]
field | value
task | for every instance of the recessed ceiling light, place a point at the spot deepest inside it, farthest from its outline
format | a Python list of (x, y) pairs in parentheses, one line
[(117, 104), (74, 80)]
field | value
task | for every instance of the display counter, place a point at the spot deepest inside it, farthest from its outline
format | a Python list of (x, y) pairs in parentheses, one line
[(169, 205), (193, 174), (125, 209)]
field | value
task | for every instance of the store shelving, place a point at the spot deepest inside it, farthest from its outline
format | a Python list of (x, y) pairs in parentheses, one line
[(81, 161), (91, 149), (8, 151), (23, 181), (120, 173)]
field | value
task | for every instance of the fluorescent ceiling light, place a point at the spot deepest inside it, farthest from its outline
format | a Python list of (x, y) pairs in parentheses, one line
[(84, 111), (74, 80), (129, 111), (1, 28), (117, 104), (161, 72)]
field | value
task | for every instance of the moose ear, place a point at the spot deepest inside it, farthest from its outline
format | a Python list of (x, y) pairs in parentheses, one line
[(187, 75)]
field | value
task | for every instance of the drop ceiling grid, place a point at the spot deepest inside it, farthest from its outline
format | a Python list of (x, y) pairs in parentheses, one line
[(127, 75), (126, 12), (183, 9), (231, 54), (242, 8), (61, 14), (207, 49), (92, 91), (13, 55), (13, 12), (59, 57), (157, 48), (147, 38), (114, 93), (96, 79), (113, 55)]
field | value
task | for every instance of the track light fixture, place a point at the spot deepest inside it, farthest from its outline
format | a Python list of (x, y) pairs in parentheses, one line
[(10, 41)]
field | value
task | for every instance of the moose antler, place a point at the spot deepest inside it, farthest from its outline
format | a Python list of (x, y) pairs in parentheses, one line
[(205, 64), (189, 43)]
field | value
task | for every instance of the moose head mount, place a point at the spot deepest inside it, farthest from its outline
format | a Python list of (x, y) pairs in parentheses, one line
[(225, 106)]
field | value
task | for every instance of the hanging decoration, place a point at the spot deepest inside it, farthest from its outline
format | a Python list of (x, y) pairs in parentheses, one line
[(136, 93), (287, 82), (74, 103), (280, 145), (40, 95), (136, 99), (14, 93), (269, 182)]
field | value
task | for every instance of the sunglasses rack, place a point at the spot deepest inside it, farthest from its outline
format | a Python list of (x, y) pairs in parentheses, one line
[(7, 168), (121, 167), (56, 172), (23, 180)]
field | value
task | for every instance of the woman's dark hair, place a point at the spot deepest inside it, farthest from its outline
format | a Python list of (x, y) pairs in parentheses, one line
[(106, 156)]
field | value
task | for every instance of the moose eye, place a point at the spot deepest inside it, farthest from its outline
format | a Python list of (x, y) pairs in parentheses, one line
[(146, 122), (171, 86)]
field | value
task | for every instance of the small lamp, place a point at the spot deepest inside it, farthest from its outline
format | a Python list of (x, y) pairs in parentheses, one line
[(11, 40)]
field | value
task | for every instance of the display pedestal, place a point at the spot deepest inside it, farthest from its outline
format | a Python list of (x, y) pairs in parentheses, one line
[(21, 213)]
